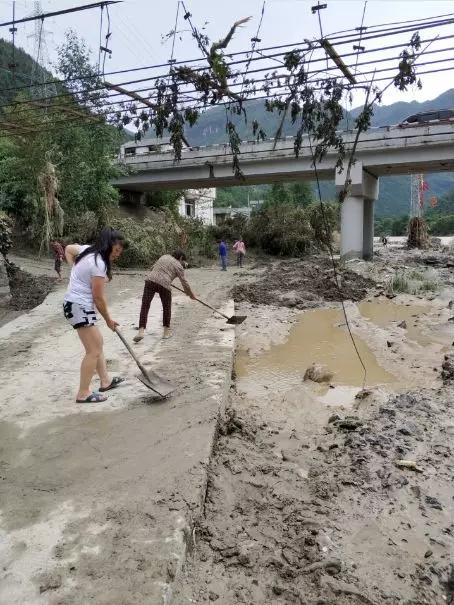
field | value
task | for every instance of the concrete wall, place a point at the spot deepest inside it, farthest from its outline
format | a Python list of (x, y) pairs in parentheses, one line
[(201, 202)]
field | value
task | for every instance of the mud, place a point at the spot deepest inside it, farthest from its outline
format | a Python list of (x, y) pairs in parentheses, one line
[(303, 284), (328, 517), (332, 496), (27, 290)]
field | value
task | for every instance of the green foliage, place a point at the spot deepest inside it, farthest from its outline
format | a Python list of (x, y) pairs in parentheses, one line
[(290, 193), (6, 233), (163, 199), (80, 150), (25, 68), (287, 229), (391, 226), (240, 196), (414, 282), (162, 234)]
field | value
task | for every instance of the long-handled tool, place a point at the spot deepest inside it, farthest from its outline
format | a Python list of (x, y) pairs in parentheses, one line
[(234, 319), (150, 379)]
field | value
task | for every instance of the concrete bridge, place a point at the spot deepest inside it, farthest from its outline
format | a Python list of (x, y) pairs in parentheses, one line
[(381, 151)]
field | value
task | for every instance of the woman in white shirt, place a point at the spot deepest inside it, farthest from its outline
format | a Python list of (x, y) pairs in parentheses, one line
[(91, 269)]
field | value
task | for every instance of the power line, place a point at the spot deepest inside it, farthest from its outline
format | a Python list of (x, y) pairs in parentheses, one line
[(284, 76), (297, 45), (75, 9)]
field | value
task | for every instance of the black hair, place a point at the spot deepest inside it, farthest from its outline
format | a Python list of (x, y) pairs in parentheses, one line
[(179, 255), (103, 247)]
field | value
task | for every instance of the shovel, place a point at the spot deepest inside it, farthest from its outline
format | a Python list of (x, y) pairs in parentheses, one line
[(234, 319), (150, 379)]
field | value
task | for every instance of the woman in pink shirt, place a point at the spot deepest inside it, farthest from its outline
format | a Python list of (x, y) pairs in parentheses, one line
[(240, 249)]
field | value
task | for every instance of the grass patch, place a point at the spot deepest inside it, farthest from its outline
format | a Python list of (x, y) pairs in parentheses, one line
[(414, 282)]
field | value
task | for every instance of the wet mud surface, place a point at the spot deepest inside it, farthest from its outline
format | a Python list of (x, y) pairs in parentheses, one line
[(313, 501), (302, 284), (27, 290), (328, 518)]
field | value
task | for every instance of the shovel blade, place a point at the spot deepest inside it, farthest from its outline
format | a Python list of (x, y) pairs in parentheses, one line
[(236, 319), (160, 386)]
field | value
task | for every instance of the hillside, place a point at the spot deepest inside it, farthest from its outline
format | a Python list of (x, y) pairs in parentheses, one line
[(25, 68)]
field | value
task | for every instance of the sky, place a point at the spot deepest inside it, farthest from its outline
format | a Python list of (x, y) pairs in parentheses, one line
[(138, 25)]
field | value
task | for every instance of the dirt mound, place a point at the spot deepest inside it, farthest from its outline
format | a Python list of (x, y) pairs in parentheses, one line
[(27, 291), (303, 284)]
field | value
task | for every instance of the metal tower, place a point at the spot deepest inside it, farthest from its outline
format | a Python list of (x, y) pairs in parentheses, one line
[(41, 65)]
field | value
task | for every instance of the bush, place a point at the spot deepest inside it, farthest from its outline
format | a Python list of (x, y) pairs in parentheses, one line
[(6, 233), (414, 282), (286, 229), (82, 228)]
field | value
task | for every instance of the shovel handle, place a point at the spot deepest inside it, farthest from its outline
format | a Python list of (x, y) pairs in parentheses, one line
[(131, 352), (203, 303)]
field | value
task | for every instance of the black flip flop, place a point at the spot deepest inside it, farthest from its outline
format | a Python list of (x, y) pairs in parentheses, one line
[(116, 381), (93, 398)]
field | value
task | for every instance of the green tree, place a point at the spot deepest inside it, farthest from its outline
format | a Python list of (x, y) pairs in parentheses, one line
[(69, 137), (299, 194)]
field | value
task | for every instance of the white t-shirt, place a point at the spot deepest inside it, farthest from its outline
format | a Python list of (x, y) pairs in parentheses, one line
[(79, 289)]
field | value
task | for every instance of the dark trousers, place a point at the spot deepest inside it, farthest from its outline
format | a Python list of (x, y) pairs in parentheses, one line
[(149, 290), (224, 262), (239, 259)]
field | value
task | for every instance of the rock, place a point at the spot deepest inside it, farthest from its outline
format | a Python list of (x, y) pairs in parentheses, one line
[(333, 418), (404, 430), (410, 464), (363, 394), (402, 324), (447, 371), (49, 581), (318, 373), (433, 503), (428, 554), (389, 343), (349, 423)]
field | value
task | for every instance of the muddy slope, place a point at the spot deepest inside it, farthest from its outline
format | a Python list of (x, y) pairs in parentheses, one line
[(27, 290), (302, 284), (329, 519)]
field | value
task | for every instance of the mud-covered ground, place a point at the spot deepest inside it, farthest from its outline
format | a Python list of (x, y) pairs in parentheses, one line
[(311, 504), (27, 291), (303, 284)]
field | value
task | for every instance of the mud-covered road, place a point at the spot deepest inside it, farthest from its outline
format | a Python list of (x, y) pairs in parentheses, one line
[(308, 500)]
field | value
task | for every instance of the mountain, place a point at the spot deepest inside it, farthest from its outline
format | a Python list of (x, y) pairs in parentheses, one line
[(26, 67), (394, 198)]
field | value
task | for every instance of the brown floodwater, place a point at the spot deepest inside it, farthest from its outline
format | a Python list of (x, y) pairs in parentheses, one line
[(319, 336), (382, 313)]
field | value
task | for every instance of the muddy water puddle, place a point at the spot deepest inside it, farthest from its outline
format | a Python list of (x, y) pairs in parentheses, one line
[(320, 337), (383, 313)]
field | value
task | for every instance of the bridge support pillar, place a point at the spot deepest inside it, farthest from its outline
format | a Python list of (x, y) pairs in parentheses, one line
[(357, 213)]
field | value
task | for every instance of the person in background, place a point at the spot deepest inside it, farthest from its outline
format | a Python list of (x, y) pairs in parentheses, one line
[(59, 255), (159, 281), (240, 250), (223, 254), (91, 269), (384, 241)]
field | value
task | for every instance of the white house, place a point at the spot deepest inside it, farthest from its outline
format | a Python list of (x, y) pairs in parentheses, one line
[(198, 203)]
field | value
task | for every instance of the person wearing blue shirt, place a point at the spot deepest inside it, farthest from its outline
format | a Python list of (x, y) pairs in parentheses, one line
[(223, 254)]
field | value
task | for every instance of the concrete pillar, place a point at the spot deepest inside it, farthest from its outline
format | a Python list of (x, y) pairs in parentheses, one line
[(352, 220), (368, 229), (357, 213)]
